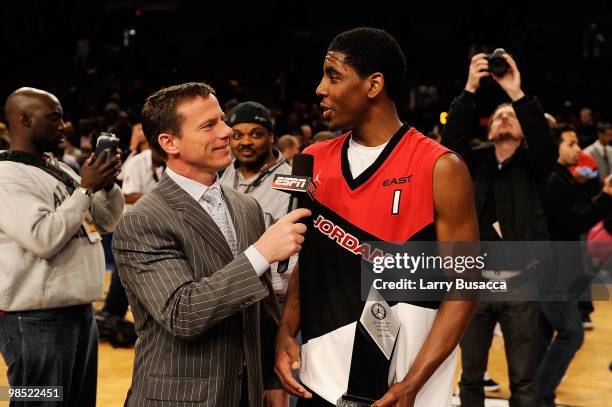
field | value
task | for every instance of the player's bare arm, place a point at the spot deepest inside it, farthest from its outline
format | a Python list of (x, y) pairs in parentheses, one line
[(455, 220)]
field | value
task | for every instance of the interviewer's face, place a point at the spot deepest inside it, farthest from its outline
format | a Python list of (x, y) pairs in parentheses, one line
[(204, 140)]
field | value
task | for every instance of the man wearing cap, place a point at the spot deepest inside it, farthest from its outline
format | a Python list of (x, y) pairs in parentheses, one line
[(255, 163)]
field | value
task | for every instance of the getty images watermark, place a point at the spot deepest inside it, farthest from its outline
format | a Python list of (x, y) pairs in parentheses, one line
[(485, 271)]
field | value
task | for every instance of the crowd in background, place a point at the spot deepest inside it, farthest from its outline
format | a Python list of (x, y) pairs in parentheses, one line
[(101, 98)]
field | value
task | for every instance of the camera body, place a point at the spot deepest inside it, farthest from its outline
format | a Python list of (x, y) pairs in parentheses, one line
[(107, 141), (497, 64)]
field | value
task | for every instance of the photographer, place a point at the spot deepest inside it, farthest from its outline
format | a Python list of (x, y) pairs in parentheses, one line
[(52, 263), (507, 177)]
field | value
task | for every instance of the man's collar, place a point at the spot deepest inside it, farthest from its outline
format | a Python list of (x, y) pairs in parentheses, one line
[(193, 188)]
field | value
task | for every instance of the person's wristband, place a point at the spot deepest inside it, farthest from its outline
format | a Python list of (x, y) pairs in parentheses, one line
[(85, 191)]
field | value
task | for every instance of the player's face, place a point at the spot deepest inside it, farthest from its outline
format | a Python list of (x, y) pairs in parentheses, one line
[(343, 93)]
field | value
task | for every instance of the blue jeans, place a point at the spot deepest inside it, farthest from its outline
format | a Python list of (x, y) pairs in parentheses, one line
[(564, 318), (53, 347)]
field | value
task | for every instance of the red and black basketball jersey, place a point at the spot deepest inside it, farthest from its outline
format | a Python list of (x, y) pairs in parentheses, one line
[(391, 201)]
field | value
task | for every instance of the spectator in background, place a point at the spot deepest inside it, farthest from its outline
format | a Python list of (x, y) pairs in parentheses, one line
[(52, 263), (587, 131), (255, 163), (288, 146), (423, 103), (570, 212), (506, 175), (122, 128), (306, 131), (71, 154), (323, 136), (138, 144), (5, 140), (300, 139), (601, 150), (87, 133), (111, 115), (140, 176)]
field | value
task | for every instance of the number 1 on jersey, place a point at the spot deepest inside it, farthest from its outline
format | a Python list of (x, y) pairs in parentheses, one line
[(396, 201)]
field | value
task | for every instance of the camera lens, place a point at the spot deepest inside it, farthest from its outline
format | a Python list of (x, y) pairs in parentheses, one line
[(497, 64)]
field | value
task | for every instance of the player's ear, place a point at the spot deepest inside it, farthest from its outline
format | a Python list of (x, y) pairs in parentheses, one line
[(376, 83)]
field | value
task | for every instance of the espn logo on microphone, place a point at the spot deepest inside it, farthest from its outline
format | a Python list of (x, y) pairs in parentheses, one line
[(291, 183), (294, 183)]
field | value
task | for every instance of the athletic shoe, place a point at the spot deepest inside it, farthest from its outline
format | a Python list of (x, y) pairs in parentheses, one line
[(490, 384), (587, 324)]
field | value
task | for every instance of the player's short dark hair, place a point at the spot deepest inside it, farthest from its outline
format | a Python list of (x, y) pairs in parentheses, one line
[(562, 128), (369, 50), (159, 113)]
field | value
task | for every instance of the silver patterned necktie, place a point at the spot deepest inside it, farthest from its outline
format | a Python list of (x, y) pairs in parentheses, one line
[(215, 204)]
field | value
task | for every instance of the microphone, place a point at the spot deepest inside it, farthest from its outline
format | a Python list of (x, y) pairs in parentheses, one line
[(298, 185)]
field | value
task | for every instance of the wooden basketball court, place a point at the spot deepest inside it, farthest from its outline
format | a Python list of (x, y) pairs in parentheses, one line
[(588, 382)]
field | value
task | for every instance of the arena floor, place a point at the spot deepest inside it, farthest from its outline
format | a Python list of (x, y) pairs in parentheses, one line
[(588, 382)]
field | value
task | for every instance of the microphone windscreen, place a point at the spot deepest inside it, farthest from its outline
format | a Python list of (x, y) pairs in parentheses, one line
[(302, 165)]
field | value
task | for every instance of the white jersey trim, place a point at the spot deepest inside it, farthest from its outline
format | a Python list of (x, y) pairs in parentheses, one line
[(326, 360)]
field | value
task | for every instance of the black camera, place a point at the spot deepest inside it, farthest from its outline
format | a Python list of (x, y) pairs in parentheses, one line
[(107, 141), (498, 66)]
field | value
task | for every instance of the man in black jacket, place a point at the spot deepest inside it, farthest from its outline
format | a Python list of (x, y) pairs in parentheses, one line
[(570, 212), (507, 177)]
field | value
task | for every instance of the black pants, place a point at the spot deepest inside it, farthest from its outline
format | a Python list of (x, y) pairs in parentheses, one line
[(519, 323), (557, 353), (585, 308), (116, 302)]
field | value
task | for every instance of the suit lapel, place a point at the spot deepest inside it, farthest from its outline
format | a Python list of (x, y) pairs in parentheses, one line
[(195, 215)]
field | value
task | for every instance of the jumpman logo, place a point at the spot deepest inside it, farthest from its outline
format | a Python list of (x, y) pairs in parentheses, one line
[(316, 179)]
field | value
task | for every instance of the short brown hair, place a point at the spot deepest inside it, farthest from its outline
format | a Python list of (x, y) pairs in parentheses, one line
[(159, 113)]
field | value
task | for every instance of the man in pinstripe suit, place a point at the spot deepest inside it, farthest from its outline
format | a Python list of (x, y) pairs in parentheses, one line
[(194, 259)]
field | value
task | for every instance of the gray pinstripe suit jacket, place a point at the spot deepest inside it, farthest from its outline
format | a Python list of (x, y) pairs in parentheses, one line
[(196, 308)]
